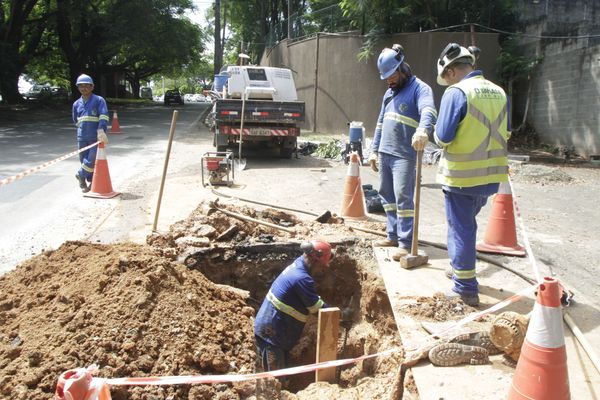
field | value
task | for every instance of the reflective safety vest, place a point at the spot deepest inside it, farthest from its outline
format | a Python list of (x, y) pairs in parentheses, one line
[(478, 154), (284, 311)]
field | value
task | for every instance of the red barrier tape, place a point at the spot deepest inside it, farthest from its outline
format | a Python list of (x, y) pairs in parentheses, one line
[(30, 171), (191, 379)]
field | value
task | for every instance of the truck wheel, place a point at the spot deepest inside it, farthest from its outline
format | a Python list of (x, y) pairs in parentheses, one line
[(286, 152)]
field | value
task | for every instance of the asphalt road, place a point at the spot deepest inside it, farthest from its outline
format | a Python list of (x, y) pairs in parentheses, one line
[(42, 210)]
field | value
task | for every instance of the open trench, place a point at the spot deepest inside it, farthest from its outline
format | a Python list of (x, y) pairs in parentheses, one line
[(352, 281)]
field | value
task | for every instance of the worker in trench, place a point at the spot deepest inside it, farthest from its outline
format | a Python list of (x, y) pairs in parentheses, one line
[(407, 117), (473, 130), (292, 297)]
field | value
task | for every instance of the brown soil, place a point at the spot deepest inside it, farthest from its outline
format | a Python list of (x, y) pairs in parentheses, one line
[(135, 312), (124, 307)]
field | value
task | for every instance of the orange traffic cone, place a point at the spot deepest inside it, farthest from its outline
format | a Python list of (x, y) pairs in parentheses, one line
[(79, 384), (501, 235), (353, 203), (541, 372), (101, 186), (115, 127)]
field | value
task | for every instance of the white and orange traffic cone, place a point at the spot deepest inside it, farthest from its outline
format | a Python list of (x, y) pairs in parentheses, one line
[(353, 203), (541, 372), (78, 384), (501, 234), (115, 127), (101, 185)]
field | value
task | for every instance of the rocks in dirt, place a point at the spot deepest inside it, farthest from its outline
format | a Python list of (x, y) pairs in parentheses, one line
[(124, 307), (541, 174)]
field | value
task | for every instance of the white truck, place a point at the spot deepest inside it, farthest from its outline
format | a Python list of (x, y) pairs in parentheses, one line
[(258, 105)]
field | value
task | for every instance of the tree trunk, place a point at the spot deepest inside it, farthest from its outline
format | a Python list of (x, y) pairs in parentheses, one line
[(218, 59), (135, 87), (16, 47)]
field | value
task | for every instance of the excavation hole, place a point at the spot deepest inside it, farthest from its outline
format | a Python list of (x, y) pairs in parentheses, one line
[(352, 282)]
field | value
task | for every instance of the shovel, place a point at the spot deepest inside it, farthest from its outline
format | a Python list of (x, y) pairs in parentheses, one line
[(240, 163)]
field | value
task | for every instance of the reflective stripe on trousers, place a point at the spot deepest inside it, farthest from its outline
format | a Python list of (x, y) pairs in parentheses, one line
[(461, 212), (87, 159), (396, 191)]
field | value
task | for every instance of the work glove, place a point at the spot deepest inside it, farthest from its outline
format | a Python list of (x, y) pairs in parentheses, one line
[(373, 160), (102, 136), (420, 139)]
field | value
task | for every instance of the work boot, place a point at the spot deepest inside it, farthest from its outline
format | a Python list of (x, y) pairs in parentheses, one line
[(399, 253), (82, 184), (449, 272), (470, 300), (385, 243)]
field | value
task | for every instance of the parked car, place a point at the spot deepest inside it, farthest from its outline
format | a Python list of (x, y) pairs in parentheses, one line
[(59, 93), (38, 92), (173, 96), (146, 93)]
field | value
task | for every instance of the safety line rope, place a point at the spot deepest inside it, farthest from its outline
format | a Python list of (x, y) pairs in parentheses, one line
[(30, 171)]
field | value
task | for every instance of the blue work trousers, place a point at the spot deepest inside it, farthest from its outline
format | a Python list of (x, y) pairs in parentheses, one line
[(396, 190), (87, 159), (270, 357), (461, 212)]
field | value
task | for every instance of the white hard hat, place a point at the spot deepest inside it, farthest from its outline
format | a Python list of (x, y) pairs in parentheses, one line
[(451, 53), (84, 79)]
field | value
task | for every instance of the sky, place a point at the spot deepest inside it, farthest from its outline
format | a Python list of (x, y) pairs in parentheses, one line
[(202, 6)]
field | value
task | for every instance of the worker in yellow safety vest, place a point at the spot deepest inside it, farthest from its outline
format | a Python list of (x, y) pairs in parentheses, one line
[(472, 128)]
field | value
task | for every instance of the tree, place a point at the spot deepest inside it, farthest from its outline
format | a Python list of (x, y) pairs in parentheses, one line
[(22, 24)]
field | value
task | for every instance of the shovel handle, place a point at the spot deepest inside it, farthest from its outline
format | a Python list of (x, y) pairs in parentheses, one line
[(415, 236)]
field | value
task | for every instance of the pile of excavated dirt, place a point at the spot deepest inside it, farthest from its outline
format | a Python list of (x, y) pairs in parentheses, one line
[(135, 312), (129, 310), (436, 308)]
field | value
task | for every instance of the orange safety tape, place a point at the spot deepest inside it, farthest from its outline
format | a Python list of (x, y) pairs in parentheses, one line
[(30, 171), (191, 379)]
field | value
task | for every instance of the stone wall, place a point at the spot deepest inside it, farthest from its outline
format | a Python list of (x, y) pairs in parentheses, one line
[(565, 86)]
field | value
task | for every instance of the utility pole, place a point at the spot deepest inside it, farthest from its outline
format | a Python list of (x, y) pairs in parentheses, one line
[(289, 20), (218, 57)]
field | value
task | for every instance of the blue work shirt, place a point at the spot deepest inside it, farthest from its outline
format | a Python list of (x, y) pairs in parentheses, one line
[(295, 288), (410, 107), (453, 110), (89, 116)]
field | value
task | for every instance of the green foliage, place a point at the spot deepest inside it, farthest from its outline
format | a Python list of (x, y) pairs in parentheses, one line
[(513, 65), (330, 149)]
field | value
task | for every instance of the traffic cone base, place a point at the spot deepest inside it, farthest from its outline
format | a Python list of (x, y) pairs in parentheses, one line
[(101, 185), (501, 234), (115, 127), (541, 372), (353, 202)]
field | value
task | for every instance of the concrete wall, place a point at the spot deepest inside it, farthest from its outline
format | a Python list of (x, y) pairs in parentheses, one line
[(565, 86), (349, 89)]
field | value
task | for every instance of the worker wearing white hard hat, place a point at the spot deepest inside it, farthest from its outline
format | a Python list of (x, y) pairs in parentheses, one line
[(90, 114), (472, 129)]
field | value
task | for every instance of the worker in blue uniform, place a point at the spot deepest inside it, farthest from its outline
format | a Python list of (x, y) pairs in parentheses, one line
[(407, 109), (90, 114), (291, 298), (472, 130)]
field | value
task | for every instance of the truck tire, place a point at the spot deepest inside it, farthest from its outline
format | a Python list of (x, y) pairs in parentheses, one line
[(286, 152)]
